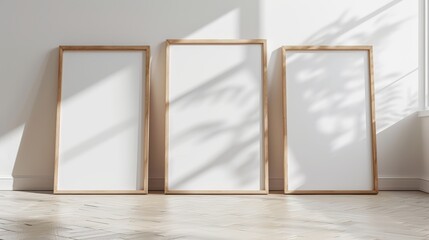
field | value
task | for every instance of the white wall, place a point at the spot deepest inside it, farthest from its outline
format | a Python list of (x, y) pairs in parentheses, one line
[(32, 30)]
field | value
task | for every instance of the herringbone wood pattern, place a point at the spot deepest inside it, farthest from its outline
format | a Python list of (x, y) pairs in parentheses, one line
[(389, 215)]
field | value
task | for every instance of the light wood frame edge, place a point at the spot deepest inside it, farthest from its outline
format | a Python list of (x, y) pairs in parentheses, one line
[(145, 165), (101, 192), (216, 192), (369, 50), (264, 117), (331, 192)]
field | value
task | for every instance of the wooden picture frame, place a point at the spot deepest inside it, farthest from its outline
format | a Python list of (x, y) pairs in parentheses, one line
[(369, 93), (137, 92), (263, 138)]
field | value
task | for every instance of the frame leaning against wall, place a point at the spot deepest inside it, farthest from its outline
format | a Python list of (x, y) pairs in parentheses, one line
[(144, 147), (264, 117), (371, 106)]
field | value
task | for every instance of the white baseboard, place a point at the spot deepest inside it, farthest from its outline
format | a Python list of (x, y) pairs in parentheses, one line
[(424, 185), (45, 183), (6, 183), (27, 183), (386, 184), (406, 184)]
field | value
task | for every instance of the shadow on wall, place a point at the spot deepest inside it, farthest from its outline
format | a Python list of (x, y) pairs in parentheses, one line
[(34, 165), (393, 88), (335, 31), (404, 136), (36, 150), (389, 87)]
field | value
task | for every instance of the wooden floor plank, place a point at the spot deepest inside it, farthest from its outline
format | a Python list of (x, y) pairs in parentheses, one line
[(389, 215)]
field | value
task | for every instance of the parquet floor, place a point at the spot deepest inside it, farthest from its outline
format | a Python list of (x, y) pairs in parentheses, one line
[(389, 215)]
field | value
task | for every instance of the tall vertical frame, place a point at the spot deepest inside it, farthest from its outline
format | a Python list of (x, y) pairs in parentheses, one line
[(216, 72), (102, 131), (316, 110)]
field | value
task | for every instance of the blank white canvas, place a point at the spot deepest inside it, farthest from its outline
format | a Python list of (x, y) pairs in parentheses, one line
[(101, 121), (328, 120), (215, 117)]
